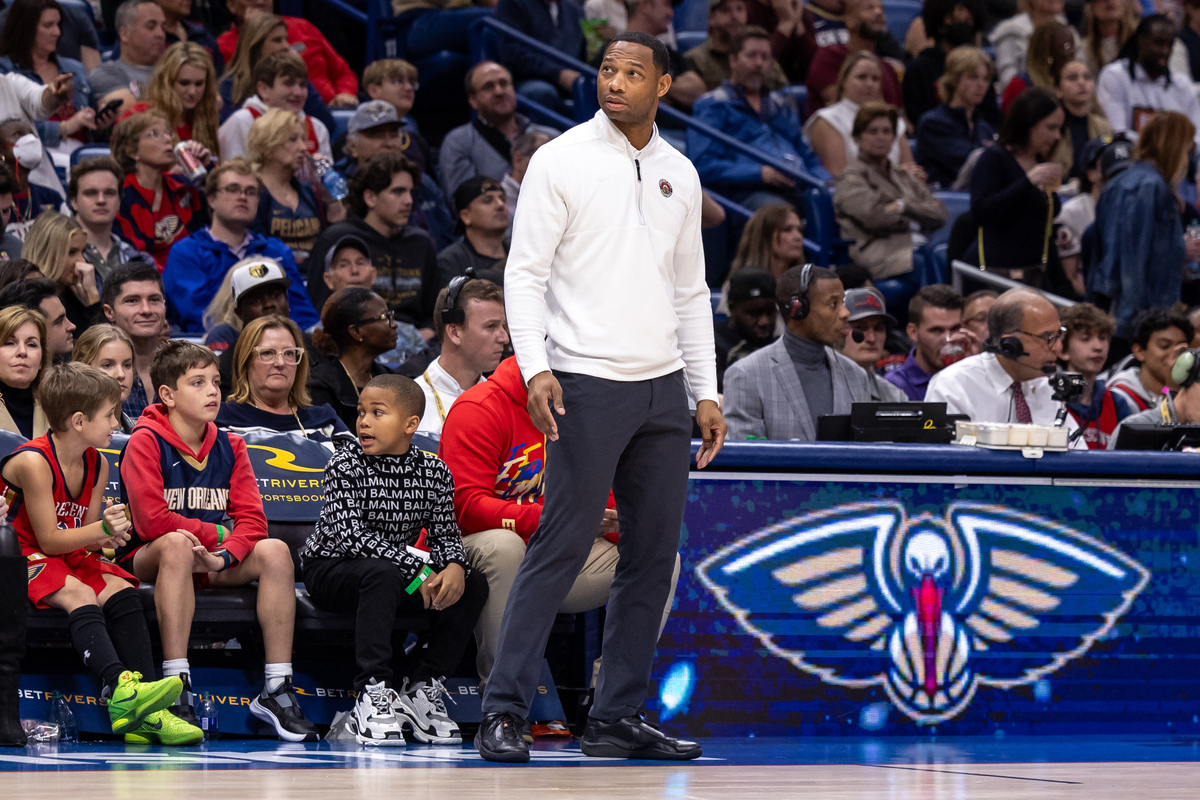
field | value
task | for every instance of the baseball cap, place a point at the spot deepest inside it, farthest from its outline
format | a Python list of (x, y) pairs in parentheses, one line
[(349, 240), (372, 114), (868, 302), (259, 272), (472, 188), (1093, 148), (1115, 157), (750, 284)]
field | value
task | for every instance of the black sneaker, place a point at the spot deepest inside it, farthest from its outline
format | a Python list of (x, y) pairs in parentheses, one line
[(281, 709), (499, 739), (633, 737), (185, 705)]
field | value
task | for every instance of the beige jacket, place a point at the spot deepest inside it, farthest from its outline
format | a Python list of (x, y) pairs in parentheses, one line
[(40, 425), (882, 238)]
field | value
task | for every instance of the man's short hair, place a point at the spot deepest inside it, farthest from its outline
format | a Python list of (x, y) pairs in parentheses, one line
[(1008, 314), (284, 64), (469, 78), (237, 165), (127, 11), (853, 276), (978, 295), (935, 295), (175, 359), (1152, 320), (8, 181), (75, 387), (129, 272), (789, 285), (28, 293), (1087, 320), (385, 70), (662, 58), (474, 289), (409, 396), (375, 174), (744, 35), (86, 167)]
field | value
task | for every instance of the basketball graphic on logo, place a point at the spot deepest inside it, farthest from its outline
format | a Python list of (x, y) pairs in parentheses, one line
[(664, 186), (258, 271)]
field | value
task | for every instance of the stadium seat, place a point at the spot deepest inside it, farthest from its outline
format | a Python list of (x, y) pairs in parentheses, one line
[(900, 14), (820, 225), (341, 121), (689, 39), (799, 93)]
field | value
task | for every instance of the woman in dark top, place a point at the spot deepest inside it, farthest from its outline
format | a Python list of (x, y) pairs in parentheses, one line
[(23, 358), (289, 207), (55, 244), (357, 324), (1014, 195), (270, 386), (947, 134)]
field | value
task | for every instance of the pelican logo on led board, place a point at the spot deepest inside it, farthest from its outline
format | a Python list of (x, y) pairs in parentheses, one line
[(929, 607)]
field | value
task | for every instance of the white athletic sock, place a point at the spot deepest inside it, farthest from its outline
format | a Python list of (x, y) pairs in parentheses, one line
[(276, 673), (175, 666)]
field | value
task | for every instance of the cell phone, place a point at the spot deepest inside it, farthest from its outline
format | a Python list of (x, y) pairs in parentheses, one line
[(110, 107)]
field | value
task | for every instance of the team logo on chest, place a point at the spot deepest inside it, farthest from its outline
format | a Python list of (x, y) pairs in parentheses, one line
[(664, 186)]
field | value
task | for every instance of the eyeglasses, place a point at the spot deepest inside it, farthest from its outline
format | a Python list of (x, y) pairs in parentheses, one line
[(1049, 338), (269, 355), (233, 190), (387, 316), (405, 82), (155, 133)]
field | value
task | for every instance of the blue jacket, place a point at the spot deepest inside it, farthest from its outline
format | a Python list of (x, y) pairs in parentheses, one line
[(197, 265), (1139, 245), (47, 131), (775, 131), (532, 17), (944, 141)]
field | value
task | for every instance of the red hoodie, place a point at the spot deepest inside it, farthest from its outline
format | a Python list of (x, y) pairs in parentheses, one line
[(497, 456), (169, 487), (327, 70)]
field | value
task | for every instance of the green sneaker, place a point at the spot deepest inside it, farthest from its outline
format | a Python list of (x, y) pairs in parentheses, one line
[(163, 727), (132, 700)]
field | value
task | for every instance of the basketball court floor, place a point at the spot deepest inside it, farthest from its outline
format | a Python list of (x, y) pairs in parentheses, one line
[(983, 768)]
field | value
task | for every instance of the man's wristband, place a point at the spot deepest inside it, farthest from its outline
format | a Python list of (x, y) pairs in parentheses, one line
[(422, 576)]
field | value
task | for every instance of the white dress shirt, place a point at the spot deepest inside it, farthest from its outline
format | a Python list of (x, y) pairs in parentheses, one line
[(441, 390)]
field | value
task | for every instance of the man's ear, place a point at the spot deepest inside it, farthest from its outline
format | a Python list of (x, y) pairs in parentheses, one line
[(326, 277), (1139, 352), (108, 312), (911, 330), (372, 91), (664, 85), (258, 89), (370, 198)]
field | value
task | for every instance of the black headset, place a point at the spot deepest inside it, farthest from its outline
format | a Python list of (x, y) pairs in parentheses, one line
[(452, 312), (1010, 347), (798, 306), (1187, 368)]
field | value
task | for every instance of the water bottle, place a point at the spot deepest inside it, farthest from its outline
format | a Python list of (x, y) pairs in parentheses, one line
[(62, 716), (1192, 271), (206, 713), (331, 179)]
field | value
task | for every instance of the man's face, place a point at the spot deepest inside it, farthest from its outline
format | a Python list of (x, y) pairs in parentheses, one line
[(749, 67), (975, 316), (827, 320), (628, 86), (262, 301), (754, 320), (372, 141), (60, 331), (287, 93), (98, 198), (1086, 352), (866, 18), (929, 337), (400, 92), (196, 396), (494, 97), (144, 41), (1155, 48), (488, 212), (727, 19), (482, 337), (393, 204), (658, 15), (1039, 324), (1157, 357), (350, 268), (236, 199), (139, 309), (867, 353)]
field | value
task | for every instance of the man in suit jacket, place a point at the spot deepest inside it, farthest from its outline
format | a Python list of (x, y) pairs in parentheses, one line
[(779, 391)]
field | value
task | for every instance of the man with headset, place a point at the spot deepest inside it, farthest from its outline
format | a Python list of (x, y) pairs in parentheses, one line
[(1008, 381), (1182, 409), (778, 392), (470, 324)]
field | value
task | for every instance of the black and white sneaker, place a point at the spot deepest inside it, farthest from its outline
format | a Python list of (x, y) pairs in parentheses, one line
[(421, 708), (372, 720), (281, 709), (185, 704)]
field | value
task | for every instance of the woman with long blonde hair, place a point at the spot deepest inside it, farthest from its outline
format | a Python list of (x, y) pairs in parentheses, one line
[(262, 35), (55, 244), (184, 88)]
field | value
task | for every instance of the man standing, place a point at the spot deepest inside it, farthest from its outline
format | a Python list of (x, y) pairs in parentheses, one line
[(133, 301), (605, 286), (484, 219), (935, 320)]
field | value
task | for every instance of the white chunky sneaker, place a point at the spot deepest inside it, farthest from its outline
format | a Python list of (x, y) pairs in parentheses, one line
[(421, 708), (372, 720)]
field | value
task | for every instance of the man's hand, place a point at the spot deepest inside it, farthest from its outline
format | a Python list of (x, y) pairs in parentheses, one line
[(773, 177), (609, 522), (712, 429), (451, 583), (544, 390), (343, 100), (202, 560), (58, 91), (566, 79)]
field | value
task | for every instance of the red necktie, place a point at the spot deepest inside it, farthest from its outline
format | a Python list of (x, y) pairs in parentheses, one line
[(1023, 415)]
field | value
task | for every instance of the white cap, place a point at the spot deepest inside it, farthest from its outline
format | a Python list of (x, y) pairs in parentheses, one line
[(252, 274)]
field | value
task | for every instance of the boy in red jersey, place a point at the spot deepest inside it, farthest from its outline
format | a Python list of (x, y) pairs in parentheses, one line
[(58, 484)]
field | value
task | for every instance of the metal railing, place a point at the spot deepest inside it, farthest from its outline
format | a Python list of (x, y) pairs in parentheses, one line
[(960, 271)]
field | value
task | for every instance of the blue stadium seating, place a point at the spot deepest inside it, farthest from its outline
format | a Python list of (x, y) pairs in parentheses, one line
[(689, 39), (341, 121), (900, 14)]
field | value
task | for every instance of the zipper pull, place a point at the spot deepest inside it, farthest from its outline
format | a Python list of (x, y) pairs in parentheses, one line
[(638, 165)]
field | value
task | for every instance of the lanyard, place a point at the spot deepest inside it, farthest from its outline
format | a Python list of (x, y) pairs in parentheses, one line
[(437, 398)]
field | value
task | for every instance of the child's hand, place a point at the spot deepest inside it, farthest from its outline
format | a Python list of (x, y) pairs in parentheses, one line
[(116, 520), (451, 583), (428, 589), (203, 561)]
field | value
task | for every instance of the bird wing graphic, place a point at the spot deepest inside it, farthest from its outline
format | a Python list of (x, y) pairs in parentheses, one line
[(807, 589), (1036, 594)]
